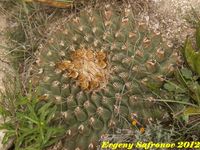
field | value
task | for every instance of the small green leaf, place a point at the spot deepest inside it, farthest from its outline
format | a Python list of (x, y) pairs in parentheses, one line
[(198, 36), (23, 101), (32, 114), (186, 73), (7, 136), (23, 116), (44, 111), (185, 118), (44, 108), (189, 111), (7, 126), (192, 57), (169, 87), (51, 114)]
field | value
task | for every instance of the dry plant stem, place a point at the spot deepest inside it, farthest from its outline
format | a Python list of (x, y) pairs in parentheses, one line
[(52, 3)]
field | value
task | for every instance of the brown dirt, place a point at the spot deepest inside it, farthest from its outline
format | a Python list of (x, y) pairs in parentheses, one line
[(4, 67), (3, 64)]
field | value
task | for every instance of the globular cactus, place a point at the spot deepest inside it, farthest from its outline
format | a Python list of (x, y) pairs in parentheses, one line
[(101, 67)]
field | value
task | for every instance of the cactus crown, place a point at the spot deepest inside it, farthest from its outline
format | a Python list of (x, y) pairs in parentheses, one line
[(88, 67)]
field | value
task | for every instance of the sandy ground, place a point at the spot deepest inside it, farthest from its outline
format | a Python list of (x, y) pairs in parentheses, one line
[(2, 64), (167, 16), (4, 67), (3, 60), (171, 17)]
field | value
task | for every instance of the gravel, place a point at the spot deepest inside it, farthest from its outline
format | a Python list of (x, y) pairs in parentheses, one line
[(170, 17)]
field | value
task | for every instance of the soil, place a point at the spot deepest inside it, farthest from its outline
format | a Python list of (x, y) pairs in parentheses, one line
[(3, 60), (172, 18), (4, 64)]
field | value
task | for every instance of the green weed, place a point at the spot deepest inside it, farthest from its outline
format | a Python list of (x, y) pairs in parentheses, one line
[(185, 89), (28, 120)]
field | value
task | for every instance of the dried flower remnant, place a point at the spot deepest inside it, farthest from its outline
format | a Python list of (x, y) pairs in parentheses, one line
[(88, 67), (142, 130)]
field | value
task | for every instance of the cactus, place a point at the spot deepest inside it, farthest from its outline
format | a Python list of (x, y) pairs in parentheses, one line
[(103, 68)]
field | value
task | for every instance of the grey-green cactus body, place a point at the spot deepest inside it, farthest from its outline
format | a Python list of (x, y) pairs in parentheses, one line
[(137, 62)]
